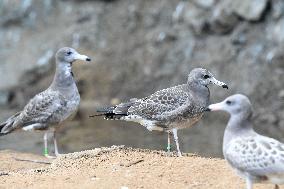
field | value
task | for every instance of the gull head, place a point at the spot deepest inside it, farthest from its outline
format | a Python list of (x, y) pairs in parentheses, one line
[(203, 77), (69, 55), (235, 105)]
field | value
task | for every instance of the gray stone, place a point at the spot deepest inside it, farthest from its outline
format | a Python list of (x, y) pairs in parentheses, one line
[(281, 124), (278, 31), (4, 98), (281, 94), (239, 34), (45, 59), (195, 17), (269, 118), (275, 57), (177, 14), (223, 19), (14, 12), (251, 10), (277, 8), (205, 3)]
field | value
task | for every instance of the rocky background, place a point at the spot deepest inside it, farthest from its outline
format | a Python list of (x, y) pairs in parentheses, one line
[(138, 47)]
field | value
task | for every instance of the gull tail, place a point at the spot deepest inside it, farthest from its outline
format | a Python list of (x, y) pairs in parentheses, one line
[(115, 112), (8, 126), (109, 113)]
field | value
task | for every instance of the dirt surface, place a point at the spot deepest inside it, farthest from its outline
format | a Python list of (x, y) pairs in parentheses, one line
[(137, 48), (117, 167)]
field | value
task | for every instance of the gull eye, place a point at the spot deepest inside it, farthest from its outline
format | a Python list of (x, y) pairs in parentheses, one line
[(228, 102), (69, 53), (206, 76)]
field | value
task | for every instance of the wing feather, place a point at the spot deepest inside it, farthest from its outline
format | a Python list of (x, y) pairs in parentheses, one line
[(43, 108), (160, 102), (257, 155)]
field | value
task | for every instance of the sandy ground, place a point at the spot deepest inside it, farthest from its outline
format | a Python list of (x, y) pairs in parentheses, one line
[(117, 167)]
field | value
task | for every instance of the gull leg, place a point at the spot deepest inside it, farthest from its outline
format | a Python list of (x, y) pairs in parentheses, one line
[(169, 142), (277, 186), (55, 145), (45, 152), (248, 183), (177, 143)]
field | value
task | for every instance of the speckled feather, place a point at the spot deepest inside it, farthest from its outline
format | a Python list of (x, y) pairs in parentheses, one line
[(258, 155), (45, 109), (167, 108), (160, 102)]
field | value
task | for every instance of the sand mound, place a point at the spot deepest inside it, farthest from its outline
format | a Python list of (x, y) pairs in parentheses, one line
[(117, 167)]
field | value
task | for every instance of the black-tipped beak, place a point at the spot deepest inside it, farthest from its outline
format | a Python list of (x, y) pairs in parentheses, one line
[(207, 109), (78, 56), (225, 86)]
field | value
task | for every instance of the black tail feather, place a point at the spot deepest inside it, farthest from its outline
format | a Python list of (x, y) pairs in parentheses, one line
[(106, 109), (115, 112), (108, 113), (8, 126)]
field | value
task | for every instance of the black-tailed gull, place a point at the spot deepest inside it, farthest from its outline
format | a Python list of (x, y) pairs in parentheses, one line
[(48, 109), (256, 158), (169, 109)]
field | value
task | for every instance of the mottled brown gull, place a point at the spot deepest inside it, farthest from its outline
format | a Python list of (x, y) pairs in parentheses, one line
[(168, 109), (48, 109), (256, 158)]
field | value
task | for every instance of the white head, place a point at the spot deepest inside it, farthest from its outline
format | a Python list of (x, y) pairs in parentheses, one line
[(237, 104), (203, 77), (67, 55)]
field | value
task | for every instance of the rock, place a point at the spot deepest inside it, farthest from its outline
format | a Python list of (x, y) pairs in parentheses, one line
[(195, 17), (268, 118), (4, 98), (277, 8), (223, 19), (45, 59), (251, 10), (205, 3), (14, 12), (281, 124), (275, 57), (177, 14), (281, 94), (239, 35), (278, 31)]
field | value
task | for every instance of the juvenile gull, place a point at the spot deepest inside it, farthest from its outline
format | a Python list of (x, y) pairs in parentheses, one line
[(168, 109), (256, 158), (48, 109)]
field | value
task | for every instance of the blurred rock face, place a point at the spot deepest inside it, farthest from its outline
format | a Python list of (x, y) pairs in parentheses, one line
[(140, 47)]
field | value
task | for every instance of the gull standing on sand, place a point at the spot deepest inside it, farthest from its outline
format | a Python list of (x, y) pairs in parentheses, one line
[(256, 158), (48, 109), (169, 109)]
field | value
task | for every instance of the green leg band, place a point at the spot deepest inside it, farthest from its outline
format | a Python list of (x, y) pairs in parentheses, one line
[(45, 152), (169, 147)]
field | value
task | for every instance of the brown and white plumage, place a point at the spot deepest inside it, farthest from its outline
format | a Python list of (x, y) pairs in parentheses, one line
[(169, 109), (48, 109)]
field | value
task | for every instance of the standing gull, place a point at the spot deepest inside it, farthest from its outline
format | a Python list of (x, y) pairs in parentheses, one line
[(169, 109), (256, 158), (48, 109)]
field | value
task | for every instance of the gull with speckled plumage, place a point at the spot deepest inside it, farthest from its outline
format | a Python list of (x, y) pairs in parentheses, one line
[(256, 158), (168, 109), (48, 109)]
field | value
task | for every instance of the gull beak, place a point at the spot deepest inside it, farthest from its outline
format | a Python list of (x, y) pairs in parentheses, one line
[(219, 83), (82, 57), (214, 107)]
